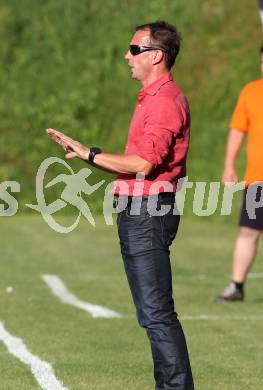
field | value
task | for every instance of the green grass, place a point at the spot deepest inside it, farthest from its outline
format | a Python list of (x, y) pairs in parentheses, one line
[(62, 65), (101, 354)]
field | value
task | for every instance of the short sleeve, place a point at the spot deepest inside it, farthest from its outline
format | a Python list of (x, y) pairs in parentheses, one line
[(240, 119), (163, 121)]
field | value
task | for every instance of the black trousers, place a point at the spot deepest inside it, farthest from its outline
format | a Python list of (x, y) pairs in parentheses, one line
[(145, 242)]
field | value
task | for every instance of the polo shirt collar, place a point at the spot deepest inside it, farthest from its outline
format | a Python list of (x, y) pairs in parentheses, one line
[(154, 87)]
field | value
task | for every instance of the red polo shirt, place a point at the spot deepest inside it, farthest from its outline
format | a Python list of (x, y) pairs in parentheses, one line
[(159, 133)]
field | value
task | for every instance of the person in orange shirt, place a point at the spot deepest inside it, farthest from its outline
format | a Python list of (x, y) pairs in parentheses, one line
[(247, 120)]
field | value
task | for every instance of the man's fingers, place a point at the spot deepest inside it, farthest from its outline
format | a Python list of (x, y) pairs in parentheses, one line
[(56, 139), (53, 133), (71, 155), (61, 142), (57, 135), (68, 144), (65, 146), (59, 138), (229, 181), (67, 140)]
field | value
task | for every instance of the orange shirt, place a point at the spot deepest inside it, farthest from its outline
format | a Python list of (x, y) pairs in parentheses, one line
[(248, 117)]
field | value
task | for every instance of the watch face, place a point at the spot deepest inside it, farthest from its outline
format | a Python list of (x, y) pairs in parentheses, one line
[(96, 150)]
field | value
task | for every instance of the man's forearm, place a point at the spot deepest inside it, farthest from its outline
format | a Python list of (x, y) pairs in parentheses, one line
[(120, 163), (234, 143), (115, 163)]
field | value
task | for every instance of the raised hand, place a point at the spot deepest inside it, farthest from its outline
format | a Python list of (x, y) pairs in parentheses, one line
[(72, 147)]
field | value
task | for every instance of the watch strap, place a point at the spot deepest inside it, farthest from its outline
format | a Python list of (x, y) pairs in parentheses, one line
[(92, 153)]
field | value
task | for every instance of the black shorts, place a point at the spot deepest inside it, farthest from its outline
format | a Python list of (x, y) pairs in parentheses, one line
[(251, 214)]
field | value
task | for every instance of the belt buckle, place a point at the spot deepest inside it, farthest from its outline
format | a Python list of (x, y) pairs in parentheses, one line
[(115, 202)]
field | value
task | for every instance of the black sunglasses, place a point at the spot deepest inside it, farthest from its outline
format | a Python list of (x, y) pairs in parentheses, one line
[(138, 49)]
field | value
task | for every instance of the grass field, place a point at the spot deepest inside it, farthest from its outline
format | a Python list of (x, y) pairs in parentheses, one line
[(113, 354)]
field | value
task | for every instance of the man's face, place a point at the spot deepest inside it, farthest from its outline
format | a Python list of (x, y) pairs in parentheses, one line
[(261, 58), (141, 64)]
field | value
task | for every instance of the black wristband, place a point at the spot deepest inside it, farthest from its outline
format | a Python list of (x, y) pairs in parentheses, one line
[(92, 153)]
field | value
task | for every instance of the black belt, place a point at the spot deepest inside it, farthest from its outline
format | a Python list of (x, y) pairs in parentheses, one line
[(161, 196)]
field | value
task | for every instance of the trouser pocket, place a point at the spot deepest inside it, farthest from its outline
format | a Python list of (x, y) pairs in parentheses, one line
[(135, 233), (170, 225)]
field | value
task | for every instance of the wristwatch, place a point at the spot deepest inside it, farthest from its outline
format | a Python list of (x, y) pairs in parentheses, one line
[(92, 153)]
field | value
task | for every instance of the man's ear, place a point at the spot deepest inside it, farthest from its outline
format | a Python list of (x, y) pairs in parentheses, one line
[(157, 57)]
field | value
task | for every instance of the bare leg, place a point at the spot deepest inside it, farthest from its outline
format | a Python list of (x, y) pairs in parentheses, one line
[(244, 253)]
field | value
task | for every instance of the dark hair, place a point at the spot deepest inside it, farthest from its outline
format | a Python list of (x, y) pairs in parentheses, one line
[(166, 37), (261, 49)]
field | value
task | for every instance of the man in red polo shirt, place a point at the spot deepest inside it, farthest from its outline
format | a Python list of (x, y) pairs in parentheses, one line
[(148, 220)]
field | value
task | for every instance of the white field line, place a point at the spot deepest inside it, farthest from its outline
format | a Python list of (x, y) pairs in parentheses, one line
[(261, 15), (59, 289), (41, 370), (208, 317), (255, 275), (251, 275)]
